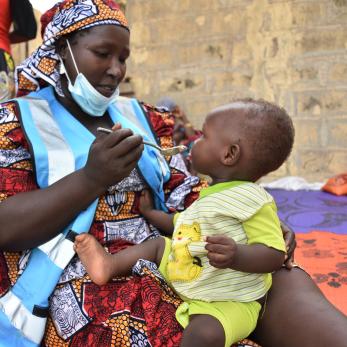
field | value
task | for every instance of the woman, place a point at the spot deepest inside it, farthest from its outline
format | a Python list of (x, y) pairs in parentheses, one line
[(59, 177)]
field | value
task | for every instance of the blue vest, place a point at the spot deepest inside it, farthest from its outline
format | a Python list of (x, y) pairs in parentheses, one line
[(60, 146)]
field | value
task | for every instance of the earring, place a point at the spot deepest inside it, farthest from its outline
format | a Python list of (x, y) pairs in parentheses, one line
[(61, 67)]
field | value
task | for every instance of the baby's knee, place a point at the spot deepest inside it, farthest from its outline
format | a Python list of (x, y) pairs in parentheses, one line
[(209, 332), (213, 335)]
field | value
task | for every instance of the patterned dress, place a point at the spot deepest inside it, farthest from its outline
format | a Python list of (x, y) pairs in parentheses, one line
[(138, 310)]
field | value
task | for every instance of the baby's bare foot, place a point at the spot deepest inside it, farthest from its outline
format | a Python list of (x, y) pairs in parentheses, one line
[(95, 259)]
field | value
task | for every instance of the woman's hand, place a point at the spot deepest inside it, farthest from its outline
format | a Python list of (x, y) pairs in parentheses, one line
[(113, 156), (289, 239)]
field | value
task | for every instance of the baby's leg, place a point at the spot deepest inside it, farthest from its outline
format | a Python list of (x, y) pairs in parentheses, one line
[(102, 266), (203, 330)]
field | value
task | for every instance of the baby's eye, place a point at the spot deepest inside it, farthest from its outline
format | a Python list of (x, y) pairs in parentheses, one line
[(123, 59)]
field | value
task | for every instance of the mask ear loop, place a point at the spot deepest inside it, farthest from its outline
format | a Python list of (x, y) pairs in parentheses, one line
[(62, 69), (73, 58), (62, 66)]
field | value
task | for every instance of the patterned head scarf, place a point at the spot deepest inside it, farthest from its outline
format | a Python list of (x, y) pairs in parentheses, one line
[(65, 17)]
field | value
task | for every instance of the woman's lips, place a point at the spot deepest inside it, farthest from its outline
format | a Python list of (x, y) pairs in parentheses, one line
[(106, 91)]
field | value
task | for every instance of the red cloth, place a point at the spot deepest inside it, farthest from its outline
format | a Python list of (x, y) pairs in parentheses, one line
[(5, 23), (323, 255)]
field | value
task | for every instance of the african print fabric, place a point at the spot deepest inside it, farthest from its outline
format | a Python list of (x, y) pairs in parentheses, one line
[(64, 18), (7, 87), (127, 311)]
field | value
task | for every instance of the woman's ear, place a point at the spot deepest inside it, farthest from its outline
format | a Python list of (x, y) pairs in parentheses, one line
[(62, 47), (231, 154)]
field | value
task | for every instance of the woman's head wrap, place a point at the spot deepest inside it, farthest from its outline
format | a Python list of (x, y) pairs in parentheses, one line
[(65, 17)]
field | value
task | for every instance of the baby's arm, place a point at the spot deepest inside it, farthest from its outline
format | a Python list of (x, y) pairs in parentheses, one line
[(224, 252), (160, 219), (265, 251)]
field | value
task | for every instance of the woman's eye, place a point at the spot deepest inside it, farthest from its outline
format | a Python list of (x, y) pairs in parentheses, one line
[(101, 54)]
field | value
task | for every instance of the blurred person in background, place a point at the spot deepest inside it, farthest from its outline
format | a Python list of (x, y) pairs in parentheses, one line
[(17, 24), (184, 132)]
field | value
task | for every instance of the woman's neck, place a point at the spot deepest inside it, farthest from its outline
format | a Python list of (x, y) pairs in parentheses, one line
[(88, 121)]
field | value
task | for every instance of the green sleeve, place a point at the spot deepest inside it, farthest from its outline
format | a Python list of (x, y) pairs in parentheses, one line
[(264, 227)]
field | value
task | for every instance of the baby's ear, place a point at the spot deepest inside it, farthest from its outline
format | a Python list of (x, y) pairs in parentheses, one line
[(231, 154)]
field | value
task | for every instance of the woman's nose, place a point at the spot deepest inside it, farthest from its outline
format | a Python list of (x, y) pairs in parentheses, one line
[(115, 68)]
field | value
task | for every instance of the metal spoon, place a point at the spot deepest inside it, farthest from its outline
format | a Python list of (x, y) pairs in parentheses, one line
[(164, 151)]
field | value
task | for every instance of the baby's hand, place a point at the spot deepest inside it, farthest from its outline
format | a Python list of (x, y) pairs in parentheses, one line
[(221, 251), (146, 202)]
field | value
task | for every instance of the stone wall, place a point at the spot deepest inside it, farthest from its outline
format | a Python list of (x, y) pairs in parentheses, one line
[(204, 53)]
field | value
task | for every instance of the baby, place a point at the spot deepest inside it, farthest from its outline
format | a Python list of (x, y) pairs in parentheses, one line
[(226, 244)]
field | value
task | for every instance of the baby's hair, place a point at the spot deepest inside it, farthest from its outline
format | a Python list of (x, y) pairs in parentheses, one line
[(270, 131)]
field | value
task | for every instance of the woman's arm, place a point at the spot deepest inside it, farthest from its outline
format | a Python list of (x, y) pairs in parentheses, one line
[(31, 218)]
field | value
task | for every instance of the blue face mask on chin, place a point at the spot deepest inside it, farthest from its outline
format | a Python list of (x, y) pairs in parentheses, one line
[(85, 95)]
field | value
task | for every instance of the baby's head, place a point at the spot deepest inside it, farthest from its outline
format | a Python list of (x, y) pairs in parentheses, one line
[(243, 140)]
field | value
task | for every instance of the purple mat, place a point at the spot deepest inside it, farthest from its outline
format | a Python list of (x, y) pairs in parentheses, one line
[(307, 210)]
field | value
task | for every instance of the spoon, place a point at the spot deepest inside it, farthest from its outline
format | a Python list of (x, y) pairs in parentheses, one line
[(164, 151)]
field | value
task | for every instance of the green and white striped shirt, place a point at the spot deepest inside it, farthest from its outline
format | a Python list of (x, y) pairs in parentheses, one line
[(241, 210)]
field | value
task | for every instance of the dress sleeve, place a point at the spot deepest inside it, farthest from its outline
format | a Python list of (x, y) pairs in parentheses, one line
[(16, 176), (16, 171), (182, 189)]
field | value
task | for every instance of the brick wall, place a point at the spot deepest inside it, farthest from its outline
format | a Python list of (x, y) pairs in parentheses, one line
[(204, 53)]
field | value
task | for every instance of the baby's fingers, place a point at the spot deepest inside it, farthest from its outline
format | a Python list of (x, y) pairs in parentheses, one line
[(220, 261), (219, 240)]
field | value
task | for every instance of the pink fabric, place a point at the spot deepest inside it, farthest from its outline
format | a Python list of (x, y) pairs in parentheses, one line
[(5, 23)]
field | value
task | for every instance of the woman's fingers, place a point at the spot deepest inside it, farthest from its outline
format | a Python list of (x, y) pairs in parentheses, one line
[(112, 156), (289, 238), (131, 158), (126, 146), (109, 140), (289, 262), (121, 144)]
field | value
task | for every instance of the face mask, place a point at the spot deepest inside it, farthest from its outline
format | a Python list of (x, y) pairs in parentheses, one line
[(85, 95)]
